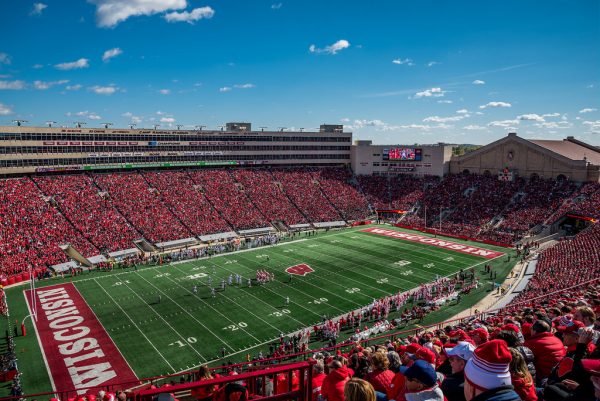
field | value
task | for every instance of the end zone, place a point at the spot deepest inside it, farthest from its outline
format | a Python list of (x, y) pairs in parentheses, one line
[(79, 352), (453, 246)]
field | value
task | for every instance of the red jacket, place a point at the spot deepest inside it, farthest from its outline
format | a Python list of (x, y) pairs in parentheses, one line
[(380, 379), (317, 383), (525, 391), (397, 390), (547, 350), (333, 385)]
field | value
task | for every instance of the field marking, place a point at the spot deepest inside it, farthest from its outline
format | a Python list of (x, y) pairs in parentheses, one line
[(362, 284), (192, 316), (135, 325), (335, 318), (229, 299), (168, 324), (274, 292), (309, 283), (386, 266), (40, 342)]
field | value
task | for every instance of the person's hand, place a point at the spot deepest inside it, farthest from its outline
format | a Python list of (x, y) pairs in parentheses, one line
[(570, 384), (586, 336)]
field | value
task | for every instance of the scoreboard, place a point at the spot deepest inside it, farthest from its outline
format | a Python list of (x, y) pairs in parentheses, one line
[(402, 154)]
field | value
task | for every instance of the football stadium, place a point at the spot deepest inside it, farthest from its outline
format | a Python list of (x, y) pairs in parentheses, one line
[(419, 257)]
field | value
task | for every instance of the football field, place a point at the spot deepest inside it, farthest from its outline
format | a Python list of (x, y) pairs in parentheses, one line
[(166, 319)]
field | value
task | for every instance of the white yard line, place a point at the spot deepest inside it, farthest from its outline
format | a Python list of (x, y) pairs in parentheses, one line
[(40, 343), (216, 310), (135, 325), (167, 323), (276, 293)]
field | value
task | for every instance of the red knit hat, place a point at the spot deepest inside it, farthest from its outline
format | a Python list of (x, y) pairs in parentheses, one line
[(488, 368)]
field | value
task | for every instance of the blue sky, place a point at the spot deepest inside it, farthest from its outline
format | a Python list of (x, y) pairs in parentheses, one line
[(391, 71)]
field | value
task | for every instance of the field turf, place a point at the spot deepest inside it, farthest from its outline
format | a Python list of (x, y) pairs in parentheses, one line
[(184, 329)]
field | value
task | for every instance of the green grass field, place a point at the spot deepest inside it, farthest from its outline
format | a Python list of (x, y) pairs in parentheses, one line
[(351, 268)]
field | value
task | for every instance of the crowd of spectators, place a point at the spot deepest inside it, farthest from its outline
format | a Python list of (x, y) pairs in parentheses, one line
[(31, 229), (228, 197), (570, 262), (268, 197), (538, 199), (305, 192), (187, 202), (335, 184), (80, 201), (584, 202), (142, 206), (376, 189)]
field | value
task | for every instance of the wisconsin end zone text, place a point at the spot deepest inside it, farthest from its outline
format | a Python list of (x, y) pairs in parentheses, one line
[(79, 352), (453, 246)]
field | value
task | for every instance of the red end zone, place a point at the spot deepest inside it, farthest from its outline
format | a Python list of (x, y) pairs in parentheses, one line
[(78, 351), (468, 249)]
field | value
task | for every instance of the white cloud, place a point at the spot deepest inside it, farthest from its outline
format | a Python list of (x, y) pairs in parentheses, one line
[(14, 85), (82, 113), (554, 125), (164, 91), (94, 116), (5, 58), (436, 119), (478, 82), (474, 127), (504, 123), (190, 17), (433, 92), (551, 115), (332, 49), (406, 61), (531, 117), (41, 85), (244, 86), (37, 66), (593, 126), (236, 86), (108, 54), (5, 110), (134, 119), (495, 104), (109, 13), (81, 63), (169, 120), (462, 111), (38, 8), (104, 90), (276, 6), (73, 87), (432, 63), (587, 110), (445, 101)]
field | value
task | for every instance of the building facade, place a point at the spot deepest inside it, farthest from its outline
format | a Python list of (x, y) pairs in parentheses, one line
[(514, 156), (369, 159), (39, 149)]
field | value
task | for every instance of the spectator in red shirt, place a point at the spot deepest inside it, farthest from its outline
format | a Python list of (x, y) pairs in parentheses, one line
[(547, 349)]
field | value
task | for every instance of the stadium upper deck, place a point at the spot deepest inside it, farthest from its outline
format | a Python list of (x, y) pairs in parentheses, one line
[(40, 149)]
